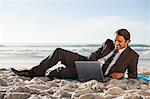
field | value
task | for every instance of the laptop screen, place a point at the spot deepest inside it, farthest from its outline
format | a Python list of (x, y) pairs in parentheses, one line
[(89, 70)]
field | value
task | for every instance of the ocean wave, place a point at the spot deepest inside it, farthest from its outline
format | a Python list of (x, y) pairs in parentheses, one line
[(139, 45), (61, 44), (2, 45), (40, 51)]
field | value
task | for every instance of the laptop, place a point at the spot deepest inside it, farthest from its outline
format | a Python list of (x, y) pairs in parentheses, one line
[(89, 70)]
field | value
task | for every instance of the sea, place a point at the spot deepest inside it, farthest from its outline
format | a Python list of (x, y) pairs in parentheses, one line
[(23, 55)]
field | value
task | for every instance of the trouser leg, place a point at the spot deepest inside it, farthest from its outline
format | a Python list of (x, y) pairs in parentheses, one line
[(66, 57), (45, 60)]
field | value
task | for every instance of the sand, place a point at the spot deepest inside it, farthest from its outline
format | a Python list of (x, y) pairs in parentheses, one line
[(15, 87)]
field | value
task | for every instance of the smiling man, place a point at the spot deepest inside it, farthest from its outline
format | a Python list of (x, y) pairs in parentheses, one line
[(116, 57), (124, 59)]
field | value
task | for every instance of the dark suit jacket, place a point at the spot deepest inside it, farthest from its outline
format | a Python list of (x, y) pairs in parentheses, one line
[(128, 59)]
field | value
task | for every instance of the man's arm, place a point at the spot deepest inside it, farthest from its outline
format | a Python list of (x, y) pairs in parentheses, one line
[(96, 55), (132, 68)]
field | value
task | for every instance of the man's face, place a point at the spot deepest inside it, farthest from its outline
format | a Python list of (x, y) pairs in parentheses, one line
[(120, 42)]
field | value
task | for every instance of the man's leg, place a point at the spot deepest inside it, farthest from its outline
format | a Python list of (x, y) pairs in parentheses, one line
[(66, 57)]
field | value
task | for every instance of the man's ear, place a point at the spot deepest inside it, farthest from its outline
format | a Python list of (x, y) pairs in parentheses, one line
[(128, 41)]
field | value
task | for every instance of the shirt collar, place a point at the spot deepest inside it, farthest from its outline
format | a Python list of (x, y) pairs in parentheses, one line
[(121, 50)]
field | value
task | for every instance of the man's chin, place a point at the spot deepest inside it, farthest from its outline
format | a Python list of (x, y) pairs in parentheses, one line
[(118, 48)]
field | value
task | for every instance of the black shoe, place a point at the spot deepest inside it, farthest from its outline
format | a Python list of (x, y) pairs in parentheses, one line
[(22, 73)]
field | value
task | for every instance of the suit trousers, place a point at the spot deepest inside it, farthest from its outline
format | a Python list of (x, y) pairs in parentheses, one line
[(66, 57)]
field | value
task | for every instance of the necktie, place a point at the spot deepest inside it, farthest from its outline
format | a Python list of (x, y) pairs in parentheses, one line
[(108, 61)]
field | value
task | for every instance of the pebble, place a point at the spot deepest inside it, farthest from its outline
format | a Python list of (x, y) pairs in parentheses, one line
[(25, 89), (132, 96), (92, 96), (144, 86), (145, 93), (34, 97), (83, 91), (115, 91), (133, 84), (2, 95), (17, 95), (3, 82), (62, 93)]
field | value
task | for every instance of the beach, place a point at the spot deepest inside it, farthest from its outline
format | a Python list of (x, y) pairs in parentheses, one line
[(114, 33), (15, 87), (27, 56)]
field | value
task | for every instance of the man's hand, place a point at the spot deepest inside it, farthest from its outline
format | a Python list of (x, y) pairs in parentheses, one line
[(117, 75)]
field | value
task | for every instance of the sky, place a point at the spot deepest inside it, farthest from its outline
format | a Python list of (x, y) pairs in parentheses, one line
[(73, 21)]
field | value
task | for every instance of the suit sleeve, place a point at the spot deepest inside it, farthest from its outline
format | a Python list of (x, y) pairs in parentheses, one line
[(132, 69), (95, 55)]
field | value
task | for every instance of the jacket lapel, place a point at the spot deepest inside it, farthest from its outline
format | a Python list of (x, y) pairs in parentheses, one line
[(123, 59)]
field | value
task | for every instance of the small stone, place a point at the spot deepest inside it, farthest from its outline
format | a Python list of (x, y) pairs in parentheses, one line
[(144, 86), (108, 96), (17, 82), (39, 80), (25, 89), (110, 86), (131, 91), (92, 96), (3, 82), (49, 97), (37, 86), (119, 97), (113, 82), (133, 84), (122, 86), (17, 95), (70, 86), (2, 95), (115, 91), (83, 91), (62, 93), (87, 96), (91, 83), (149, 85), (52, 90), (4, 88), (34, 97), (99, 96), (146, 97), (98, 87), (132, 96), (51, 84), (145, 93), (63, 82)]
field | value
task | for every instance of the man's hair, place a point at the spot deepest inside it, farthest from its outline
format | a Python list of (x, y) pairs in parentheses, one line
[(124, 33)]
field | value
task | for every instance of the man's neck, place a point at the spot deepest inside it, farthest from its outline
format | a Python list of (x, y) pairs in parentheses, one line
[(121, 50)]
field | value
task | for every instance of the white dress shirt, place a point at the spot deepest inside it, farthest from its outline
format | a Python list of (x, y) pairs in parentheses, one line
[(104, 59)]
